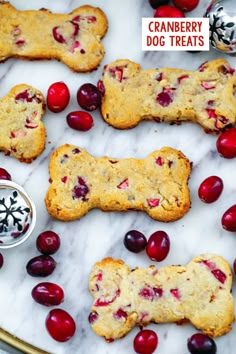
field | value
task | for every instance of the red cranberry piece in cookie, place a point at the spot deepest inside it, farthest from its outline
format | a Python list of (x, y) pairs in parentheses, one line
[(80, 120), (89, 97), (93, 316), (219, 275), (228, 220), (4, 174), (158, 246), (60, 325), (81, 190), (200, 343), (145, 342), (165, 97), (210, 189), (58, 97), (48, 242), (168, 11), (226, 144), (186, 5), (56, 31), (135, 241)]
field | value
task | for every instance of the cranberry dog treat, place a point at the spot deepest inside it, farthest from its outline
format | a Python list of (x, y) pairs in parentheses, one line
[(74, 39), (22, 133), (205, 96), (80, 182), (124, 298)]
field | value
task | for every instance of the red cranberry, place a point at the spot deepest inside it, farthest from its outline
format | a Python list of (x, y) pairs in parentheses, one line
[(210, 189), (48, 294), (58, 97), (135, 241), (200, 343), (155, 3), (168, 11), (89, 97), (234, 266), (48, 242), (228, 220), (158, 246), (80, 120), (226, 144), (1, 260), (4, 174), (145, 342), (186, 5), (60, 325), (41, 266)]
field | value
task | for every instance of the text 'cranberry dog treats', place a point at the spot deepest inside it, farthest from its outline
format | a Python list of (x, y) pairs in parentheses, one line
[(124, 298), (80, 182), (205, 96), (22, 133), (74, 39)]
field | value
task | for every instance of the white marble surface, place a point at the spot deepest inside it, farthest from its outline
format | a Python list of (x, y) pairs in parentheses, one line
[(99, 234)]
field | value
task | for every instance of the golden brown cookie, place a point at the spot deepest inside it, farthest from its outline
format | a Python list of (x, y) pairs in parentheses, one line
[(205, 96), (74, 39), (156, 185), (124, 298), (22, 133)]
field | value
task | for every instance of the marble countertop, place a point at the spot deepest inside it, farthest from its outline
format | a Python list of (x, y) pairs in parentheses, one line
[(98, 234)]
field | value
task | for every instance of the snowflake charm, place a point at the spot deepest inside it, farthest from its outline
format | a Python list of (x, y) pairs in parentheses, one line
[(222, 25), (14, 214)]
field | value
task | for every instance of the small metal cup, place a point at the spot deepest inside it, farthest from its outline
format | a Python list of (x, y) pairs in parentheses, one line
[(17, 214), (222, 20)]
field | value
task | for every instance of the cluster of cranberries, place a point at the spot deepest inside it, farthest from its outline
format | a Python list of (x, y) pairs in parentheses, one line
[(211, 188), (163, 9), (59, 323), (88, 98), (157, 246)]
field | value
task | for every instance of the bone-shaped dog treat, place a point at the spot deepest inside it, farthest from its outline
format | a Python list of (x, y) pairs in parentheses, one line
[(74, 39), (80, 182), (205, 96), (199, 292), (22, 133)]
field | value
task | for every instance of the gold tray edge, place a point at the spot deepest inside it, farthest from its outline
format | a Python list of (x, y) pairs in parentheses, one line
[(19, 344)]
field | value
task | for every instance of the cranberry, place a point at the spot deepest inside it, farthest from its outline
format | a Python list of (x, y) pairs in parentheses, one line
[(228, 220), (135, 241), (58, 97), (186, 5), (155, 3), (48, 294), (80, 120), (41, 266), (226, 143), (168, 11), (234, 266), (158, 246), (1, 260), (210, 189), (4, 174), (200, 343), (145, 342), (60, 325), (89, 97), (48, 242), (80, 190)]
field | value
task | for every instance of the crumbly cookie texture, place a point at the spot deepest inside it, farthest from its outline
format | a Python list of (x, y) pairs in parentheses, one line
[(124, 298), (205, 96), (74, 39), (22, 133), (80, 182)]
